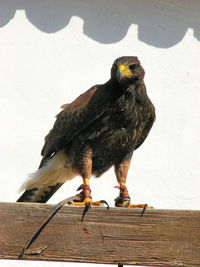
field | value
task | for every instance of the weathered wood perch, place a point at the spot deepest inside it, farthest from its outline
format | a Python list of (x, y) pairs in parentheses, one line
[(117, 236)]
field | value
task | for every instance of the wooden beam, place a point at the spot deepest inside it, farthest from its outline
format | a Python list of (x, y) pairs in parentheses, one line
[(116, 236)]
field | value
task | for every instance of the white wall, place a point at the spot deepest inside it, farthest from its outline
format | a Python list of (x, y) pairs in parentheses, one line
[(52, 51)]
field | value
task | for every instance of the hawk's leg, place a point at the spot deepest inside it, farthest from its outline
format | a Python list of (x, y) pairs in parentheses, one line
[(86, 197), (124, 200), (83, 164), (121, 171), (85, 194), (84, 167)]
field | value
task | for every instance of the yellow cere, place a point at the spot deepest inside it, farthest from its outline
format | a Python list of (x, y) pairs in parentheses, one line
[(125, 70), (122, 67)]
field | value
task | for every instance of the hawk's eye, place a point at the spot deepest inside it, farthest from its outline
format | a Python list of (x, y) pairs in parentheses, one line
[(132, 67)]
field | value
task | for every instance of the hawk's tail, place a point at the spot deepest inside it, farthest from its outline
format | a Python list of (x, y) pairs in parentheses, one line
[(40, 195), (47, 179)]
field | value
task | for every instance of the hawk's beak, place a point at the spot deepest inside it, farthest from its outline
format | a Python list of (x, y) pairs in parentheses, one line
[(124, 71)]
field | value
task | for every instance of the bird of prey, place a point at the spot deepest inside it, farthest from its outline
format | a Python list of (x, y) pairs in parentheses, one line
[(98, 130)]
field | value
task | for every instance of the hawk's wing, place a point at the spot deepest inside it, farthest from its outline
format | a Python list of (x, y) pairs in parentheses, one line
[(75, 117), (70, 121)]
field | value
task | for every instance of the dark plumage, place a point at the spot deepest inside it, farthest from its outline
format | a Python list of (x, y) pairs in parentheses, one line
[(99, 129)]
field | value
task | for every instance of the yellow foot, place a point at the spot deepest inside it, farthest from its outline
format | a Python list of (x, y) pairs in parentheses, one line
[(89, 202), (86, 202), (125, 203), (141, 206), (146, 206)]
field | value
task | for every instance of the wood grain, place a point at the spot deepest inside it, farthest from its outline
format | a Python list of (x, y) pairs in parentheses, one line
[(117, 236)]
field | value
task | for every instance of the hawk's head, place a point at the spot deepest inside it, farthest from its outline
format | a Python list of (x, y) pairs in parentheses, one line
[(127, 70)]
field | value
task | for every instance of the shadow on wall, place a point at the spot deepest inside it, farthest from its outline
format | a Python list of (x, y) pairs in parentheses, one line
[(160, 23)]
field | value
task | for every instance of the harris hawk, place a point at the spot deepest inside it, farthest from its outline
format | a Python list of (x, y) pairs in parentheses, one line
[(98, 130)]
